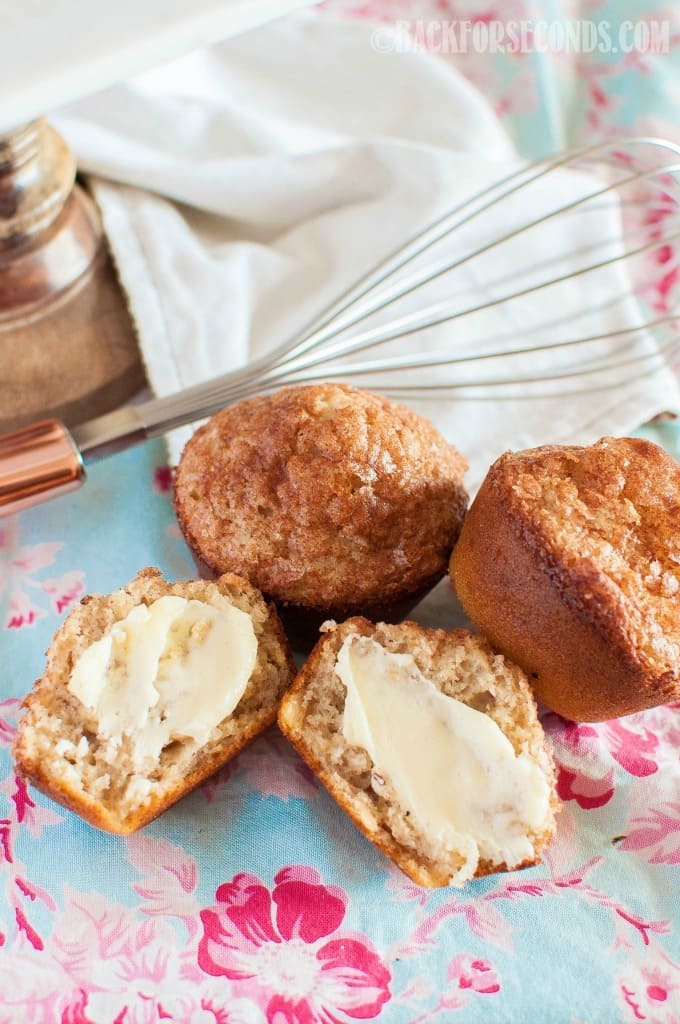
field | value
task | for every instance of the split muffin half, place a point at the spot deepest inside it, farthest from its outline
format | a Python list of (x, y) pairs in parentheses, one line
[(147, 692), (431, 743)]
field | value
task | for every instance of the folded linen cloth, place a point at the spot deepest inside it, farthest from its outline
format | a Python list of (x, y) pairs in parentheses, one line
[(244, 187)]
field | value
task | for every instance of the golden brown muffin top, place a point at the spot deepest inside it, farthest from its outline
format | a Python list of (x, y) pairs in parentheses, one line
[(324, 496), (606, 520)]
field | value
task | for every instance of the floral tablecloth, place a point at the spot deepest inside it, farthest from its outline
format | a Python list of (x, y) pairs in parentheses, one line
[(255, 899)]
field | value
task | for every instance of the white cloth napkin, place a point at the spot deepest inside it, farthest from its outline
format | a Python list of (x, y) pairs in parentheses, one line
[(245, 187)]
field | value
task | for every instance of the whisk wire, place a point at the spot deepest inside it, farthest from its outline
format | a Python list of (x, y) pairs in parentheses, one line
[(332, 335), (434, 232), (332, 322), (441, 313)]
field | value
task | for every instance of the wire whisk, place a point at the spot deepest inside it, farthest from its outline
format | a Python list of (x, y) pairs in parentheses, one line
[(599, 253), (559, 278)]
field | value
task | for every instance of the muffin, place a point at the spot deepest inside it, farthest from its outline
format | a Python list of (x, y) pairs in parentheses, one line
[(327, 498), (431, 743), (148, 691), (569, 562)]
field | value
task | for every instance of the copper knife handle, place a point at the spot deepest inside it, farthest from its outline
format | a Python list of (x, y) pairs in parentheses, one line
[(37, 462)]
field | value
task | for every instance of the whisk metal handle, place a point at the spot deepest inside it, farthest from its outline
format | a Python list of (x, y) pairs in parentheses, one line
[(37, 462)]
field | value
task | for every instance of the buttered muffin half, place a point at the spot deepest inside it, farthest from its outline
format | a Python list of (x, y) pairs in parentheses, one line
[(569, 562), (327, 498), (431, 743), (147, 692)]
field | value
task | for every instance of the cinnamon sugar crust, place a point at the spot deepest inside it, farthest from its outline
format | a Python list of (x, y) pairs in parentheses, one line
[(569, 562), (325, 497)]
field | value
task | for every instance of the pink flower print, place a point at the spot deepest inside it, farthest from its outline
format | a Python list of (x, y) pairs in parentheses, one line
[(581, 774), (474, 974), (22, 612), (656, 835), (8, 711), (585, 756), (660, 286), (19, 567), (664, 722), (169, 879), (270, 766), (650, 992), (163, 483), (215, 1011), (401, 888), (76, 1012), (588, 792), (632, 747), (64, 591), (286, 946), (274, 768), (470, 976), (211, 786), (34, 988), (142, 974), (163, 480)]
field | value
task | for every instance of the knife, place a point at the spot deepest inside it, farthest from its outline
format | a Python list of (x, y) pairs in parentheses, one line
[(46, 459)]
